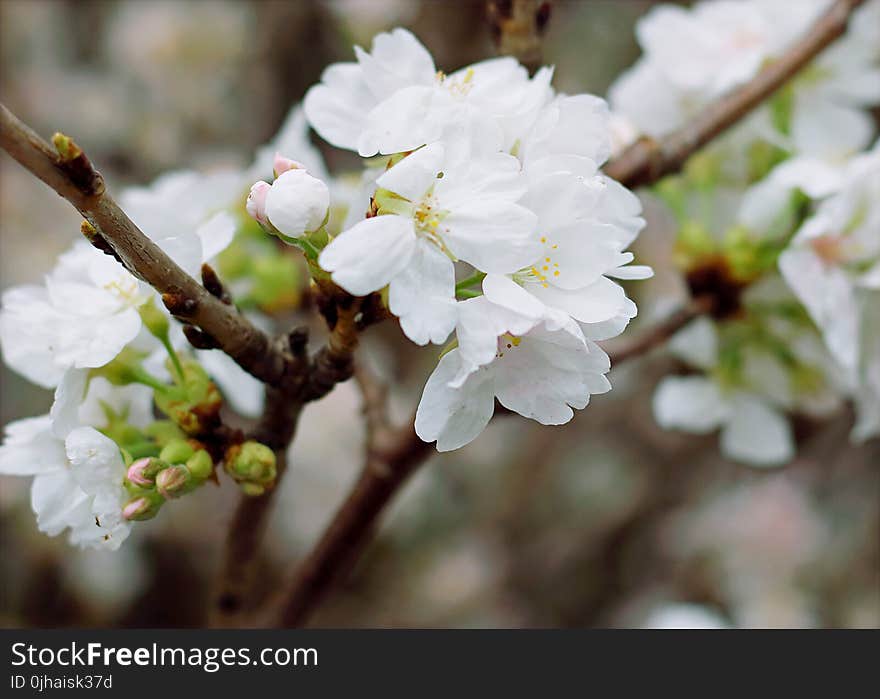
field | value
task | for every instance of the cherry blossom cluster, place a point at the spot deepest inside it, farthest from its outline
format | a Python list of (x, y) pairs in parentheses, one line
[(482, 213), (693, 55), (780, 214), (103, 341)]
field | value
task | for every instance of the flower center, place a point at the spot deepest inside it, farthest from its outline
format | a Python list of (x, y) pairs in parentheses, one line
[(506, 343), (459, 86), (546, 270), (428, 218), (123, 288)]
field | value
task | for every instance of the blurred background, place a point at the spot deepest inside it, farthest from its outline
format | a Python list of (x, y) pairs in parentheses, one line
[(609, 521)]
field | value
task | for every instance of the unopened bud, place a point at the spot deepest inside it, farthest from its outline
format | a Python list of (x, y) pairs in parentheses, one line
[(200, 465), (173, 481), (142, 507), (67, 149), (281, 164), (177, 451), (252, 489), (251, 464), (163, 432), (142, 472), (256, 202), (297, 203), (194, 408)]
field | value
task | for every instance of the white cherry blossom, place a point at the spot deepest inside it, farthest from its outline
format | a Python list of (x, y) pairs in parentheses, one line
[(393, 99), (78, 472), (440, 209), (749, 399), (540, 371), (833, 267), (584, 225)]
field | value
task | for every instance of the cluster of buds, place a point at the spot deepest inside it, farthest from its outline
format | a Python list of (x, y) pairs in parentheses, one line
[(195, 403), (252, 465), (180, 468)]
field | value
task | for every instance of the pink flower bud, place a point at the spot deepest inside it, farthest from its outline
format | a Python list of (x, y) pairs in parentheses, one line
[(282, 164), (139, 508), (172, 482), (137, 473), (256, 202)]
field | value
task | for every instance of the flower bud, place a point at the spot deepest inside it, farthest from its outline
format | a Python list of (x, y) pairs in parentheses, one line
[(281, 165), (256, 202), (200, 465), (194, 406), (297, 203), (251, 464), (173, 481), (163, 431), (177, 451), (252, 489), (142, 507), (142, 472)]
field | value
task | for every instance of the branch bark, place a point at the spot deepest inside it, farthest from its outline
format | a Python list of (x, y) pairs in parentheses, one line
[(517, 26), (393, 455), (73, 177), (647, 160)]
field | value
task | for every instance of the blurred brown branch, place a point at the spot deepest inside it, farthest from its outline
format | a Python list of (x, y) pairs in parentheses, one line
[(660, 332), (647, 160), (517, 26)]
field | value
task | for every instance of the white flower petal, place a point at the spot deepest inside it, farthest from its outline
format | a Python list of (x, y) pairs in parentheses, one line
[(69, 395), (757, 434), (413, 176), (370, 254), (423, 295), (454, 416), (30, 448), (96, 462), (492, 235), (690, 403)]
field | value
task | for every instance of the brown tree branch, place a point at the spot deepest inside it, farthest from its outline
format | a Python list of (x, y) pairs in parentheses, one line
[(393, 454), (517, 26), (69, 172), (647, 160)]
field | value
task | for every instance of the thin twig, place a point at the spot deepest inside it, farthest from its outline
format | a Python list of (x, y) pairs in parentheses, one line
[(74, 178), (647, 160), (659, 333)]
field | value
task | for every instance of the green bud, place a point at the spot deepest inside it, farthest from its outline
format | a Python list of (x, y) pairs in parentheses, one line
[(176, 451), (252, 489), (163, 432), (154, 320), (251, 464), (194, 405), (67, 149), (200, 465)]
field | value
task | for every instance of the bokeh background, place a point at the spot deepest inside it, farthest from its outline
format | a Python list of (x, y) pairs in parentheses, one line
[(608, 521)]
